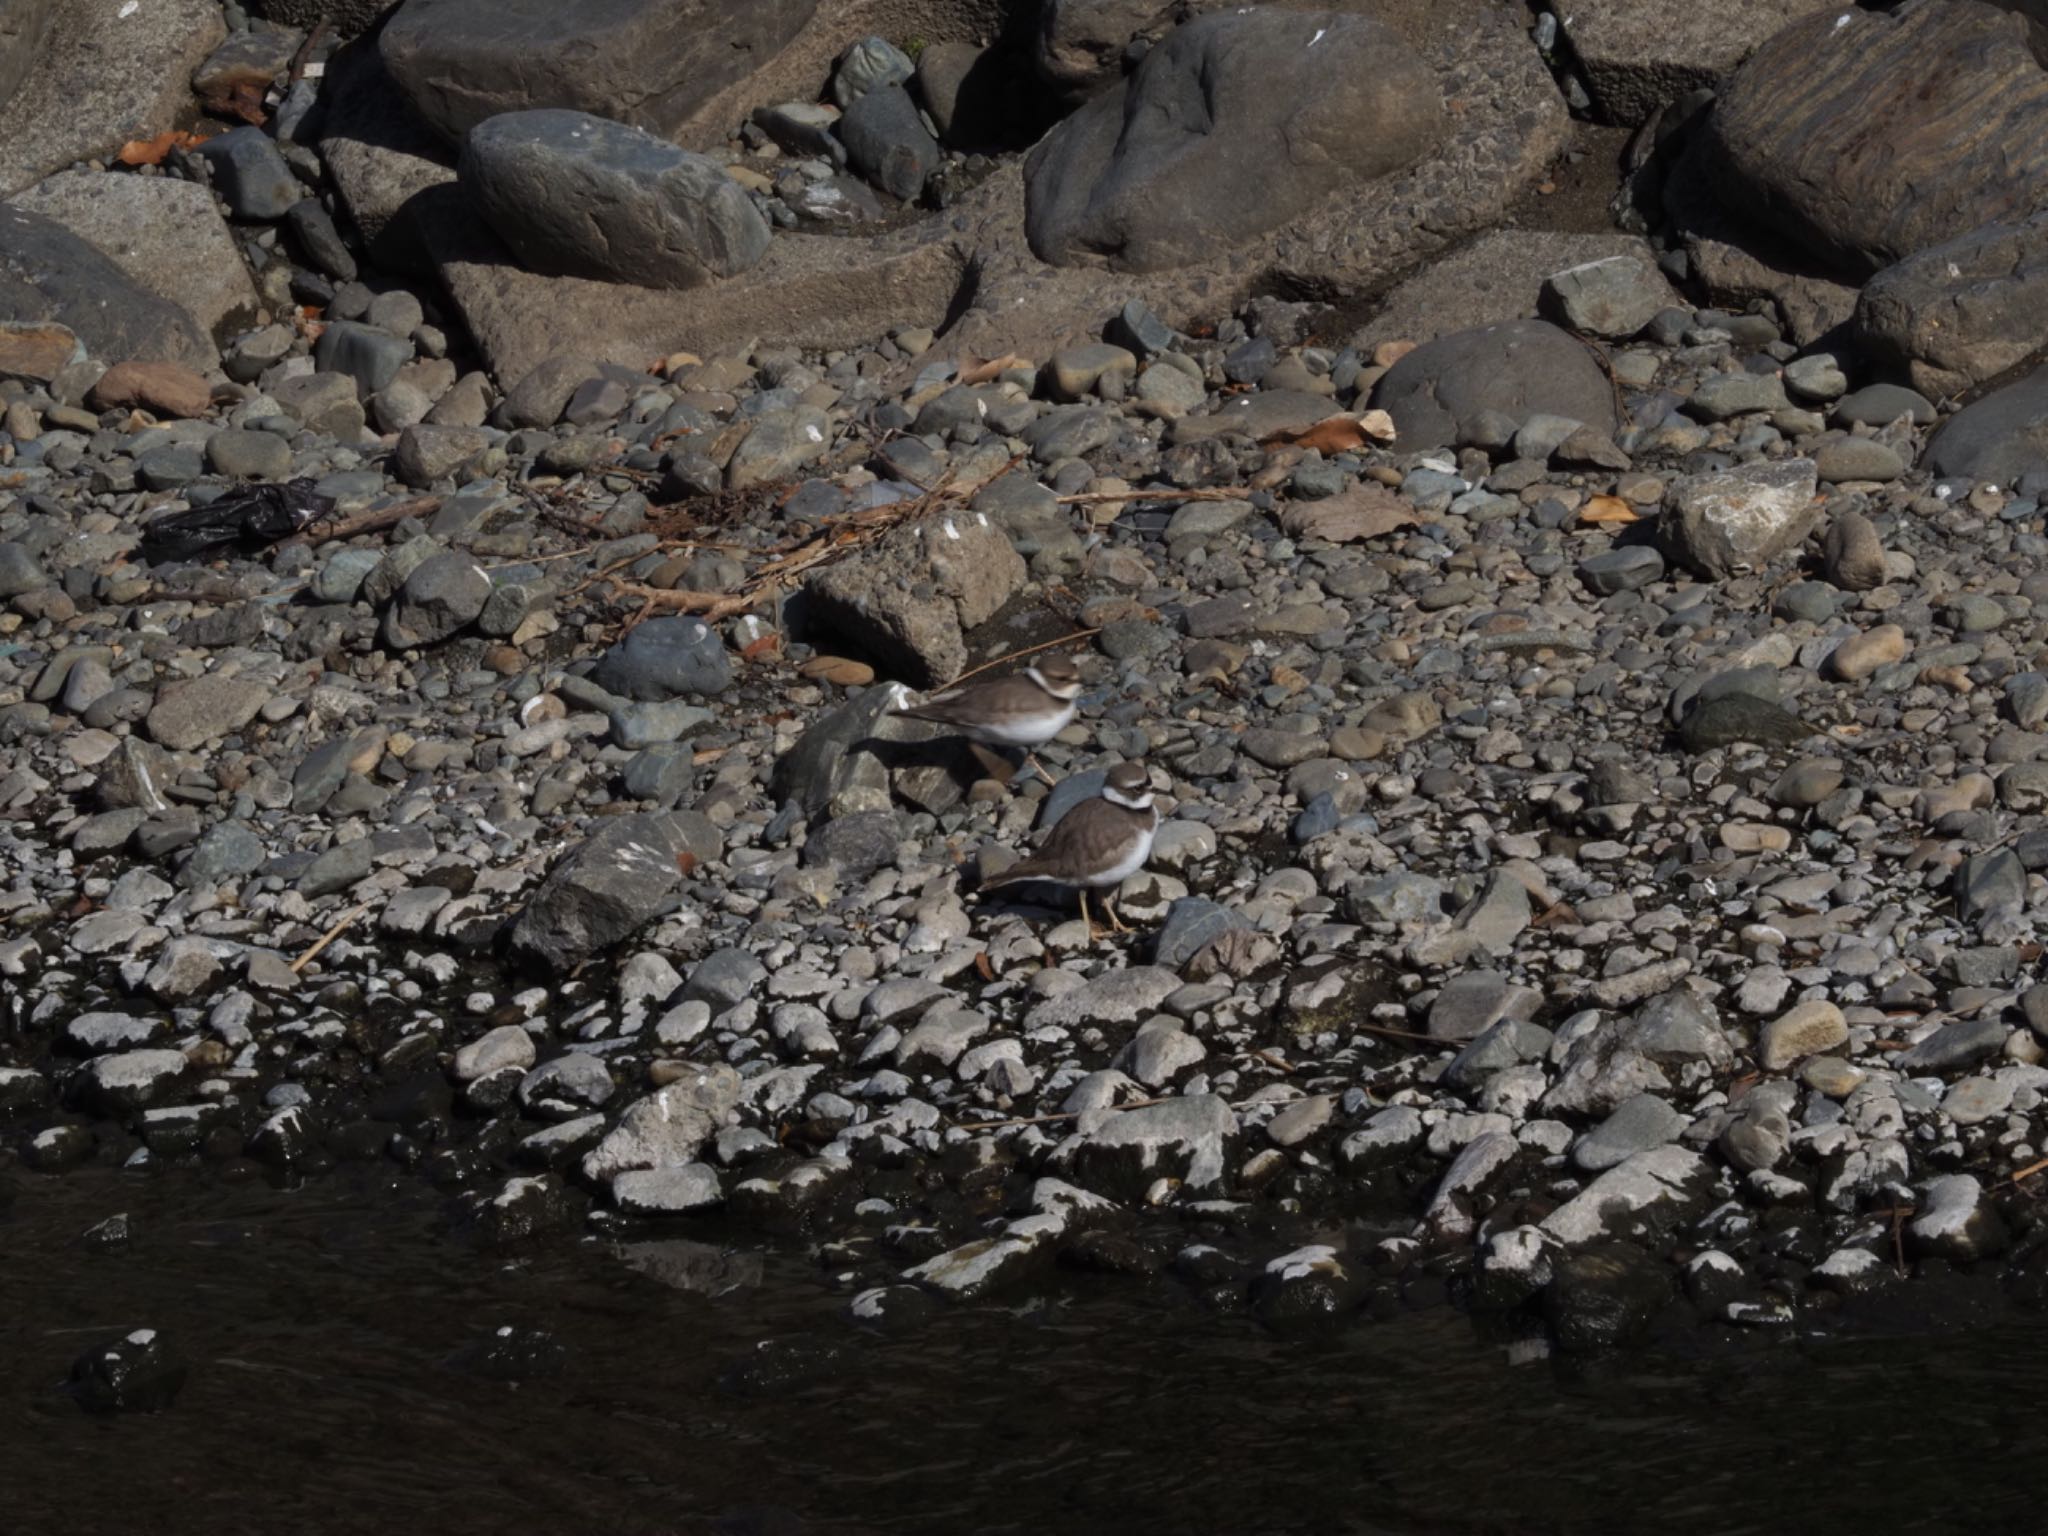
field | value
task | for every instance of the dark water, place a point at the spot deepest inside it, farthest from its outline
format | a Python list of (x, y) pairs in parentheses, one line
[(332, 1337)]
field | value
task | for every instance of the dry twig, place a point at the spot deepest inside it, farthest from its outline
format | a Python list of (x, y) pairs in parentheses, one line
[(328, 937), (1029, 650), (374, 521)]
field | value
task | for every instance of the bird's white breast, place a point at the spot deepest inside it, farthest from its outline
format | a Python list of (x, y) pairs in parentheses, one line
[(1130, 863)]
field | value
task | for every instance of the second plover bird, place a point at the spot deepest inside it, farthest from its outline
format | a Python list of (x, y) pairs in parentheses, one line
[(1097, 845), (1019, 709)]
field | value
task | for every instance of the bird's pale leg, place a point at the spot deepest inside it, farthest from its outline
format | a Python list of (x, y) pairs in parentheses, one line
[(1085, 917), (1031, 761), (1116, 923)]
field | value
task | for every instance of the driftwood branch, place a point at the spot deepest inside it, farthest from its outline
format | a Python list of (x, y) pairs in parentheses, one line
[(376, 520)]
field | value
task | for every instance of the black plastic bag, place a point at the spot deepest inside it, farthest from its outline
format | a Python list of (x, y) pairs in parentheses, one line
[(249, 519)]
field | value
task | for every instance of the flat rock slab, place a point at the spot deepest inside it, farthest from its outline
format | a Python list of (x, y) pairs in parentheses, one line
[(1867, 136), (47, 273), (24, 25), (812, 290), (1635, 55), (165, 234), (649, 63), (110, 71), (1497, 277)]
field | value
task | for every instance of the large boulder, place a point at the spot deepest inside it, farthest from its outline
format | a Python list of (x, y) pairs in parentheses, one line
[(1635, 55), (23, 25), (1234, 124), (1998, 438), (909, 598), (107, 72), (1518, 368), (48, 273), (1959, 313), (650, 63), (583, 196), (346, 17), (1866, 135), (626, 873), (166, 234)]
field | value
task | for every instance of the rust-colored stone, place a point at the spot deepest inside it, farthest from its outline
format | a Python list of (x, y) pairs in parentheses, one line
[(36, 352), (162, 388)]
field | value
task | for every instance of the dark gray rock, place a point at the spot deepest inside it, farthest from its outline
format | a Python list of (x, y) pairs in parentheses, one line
[(227, 851), (313, 227), (665, 657), (1518, 368), (887, 143), (250, 174), (1634, 1125), (326, 403), (363, 353), (1604, 1295), (429, 455), (1956, 314), (136, 1373), (242, 454), (1990, 884), (1737, 717), (1622, 570), (1235, 123), (857, 845), (20, 571), (1192, 924), (577, 195), (650, 63), (442, 595), (1615, 296), (1954, 1047), (1879, 405), (47, 273), (626, 873), (1998, 438)]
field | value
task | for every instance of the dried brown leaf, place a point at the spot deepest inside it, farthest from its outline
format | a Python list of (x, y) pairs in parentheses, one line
[(1337, 434), (157, 150), (983, 370), (1608, 509)]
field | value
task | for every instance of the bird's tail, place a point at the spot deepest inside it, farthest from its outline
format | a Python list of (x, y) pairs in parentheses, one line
[(1017, 874)]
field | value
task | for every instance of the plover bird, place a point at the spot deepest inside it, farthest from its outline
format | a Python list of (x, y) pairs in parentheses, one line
[(1097, 845), (1019, 709)]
